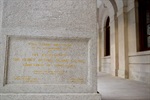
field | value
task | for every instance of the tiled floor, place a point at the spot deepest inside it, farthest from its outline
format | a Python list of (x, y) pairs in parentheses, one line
[(114, 88)]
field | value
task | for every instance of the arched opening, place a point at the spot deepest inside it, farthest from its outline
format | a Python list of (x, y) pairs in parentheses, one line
[(107, 37)]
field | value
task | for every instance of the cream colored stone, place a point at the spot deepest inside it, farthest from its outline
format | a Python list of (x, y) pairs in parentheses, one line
[(124, 40), (140, 72), (47, 61), (48, 49), (140, 59)]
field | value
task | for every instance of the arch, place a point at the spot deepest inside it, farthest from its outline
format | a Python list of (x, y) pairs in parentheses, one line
[(103, 14), (108, 8), (111, 5), (114, 6)]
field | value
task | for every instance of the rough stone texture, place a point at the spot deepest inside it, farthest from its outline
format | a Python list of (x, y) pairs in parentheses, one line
[(50, 97), (55, 14), (48, 46)]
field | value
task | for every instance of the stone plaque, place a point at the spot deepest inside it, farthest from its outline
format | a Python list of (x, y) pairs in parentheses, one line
[(47, 60)]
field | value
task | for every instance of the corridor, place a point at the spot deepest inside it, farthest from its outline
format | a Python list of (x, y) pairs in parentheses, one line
[(114, 88)]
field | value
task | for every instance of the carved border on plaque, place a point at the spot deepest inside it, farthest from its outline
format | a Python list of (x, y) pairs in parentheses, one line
[(6, 60)]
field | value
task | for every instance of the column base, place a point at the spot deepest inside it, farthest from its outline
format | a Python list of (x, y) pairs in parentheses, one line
[(57, 96), (123, 74)]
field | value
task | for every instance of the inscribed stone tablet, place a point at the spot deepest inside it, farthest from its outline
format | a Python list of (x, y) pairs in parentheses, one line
[(34, 60)]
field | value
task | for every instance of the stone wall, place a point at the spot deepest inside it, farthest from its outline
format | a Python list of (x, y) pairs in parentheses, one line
[(126, 60)]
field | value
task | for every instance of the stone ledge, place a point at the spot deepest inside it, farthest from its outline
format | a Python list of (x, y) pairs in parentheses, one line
[(58, 96)]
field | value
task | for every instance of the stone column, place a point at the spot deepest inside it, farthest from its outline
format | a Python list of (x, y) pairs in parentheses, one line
[(48, 50), (114, 45), (122, 43)]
